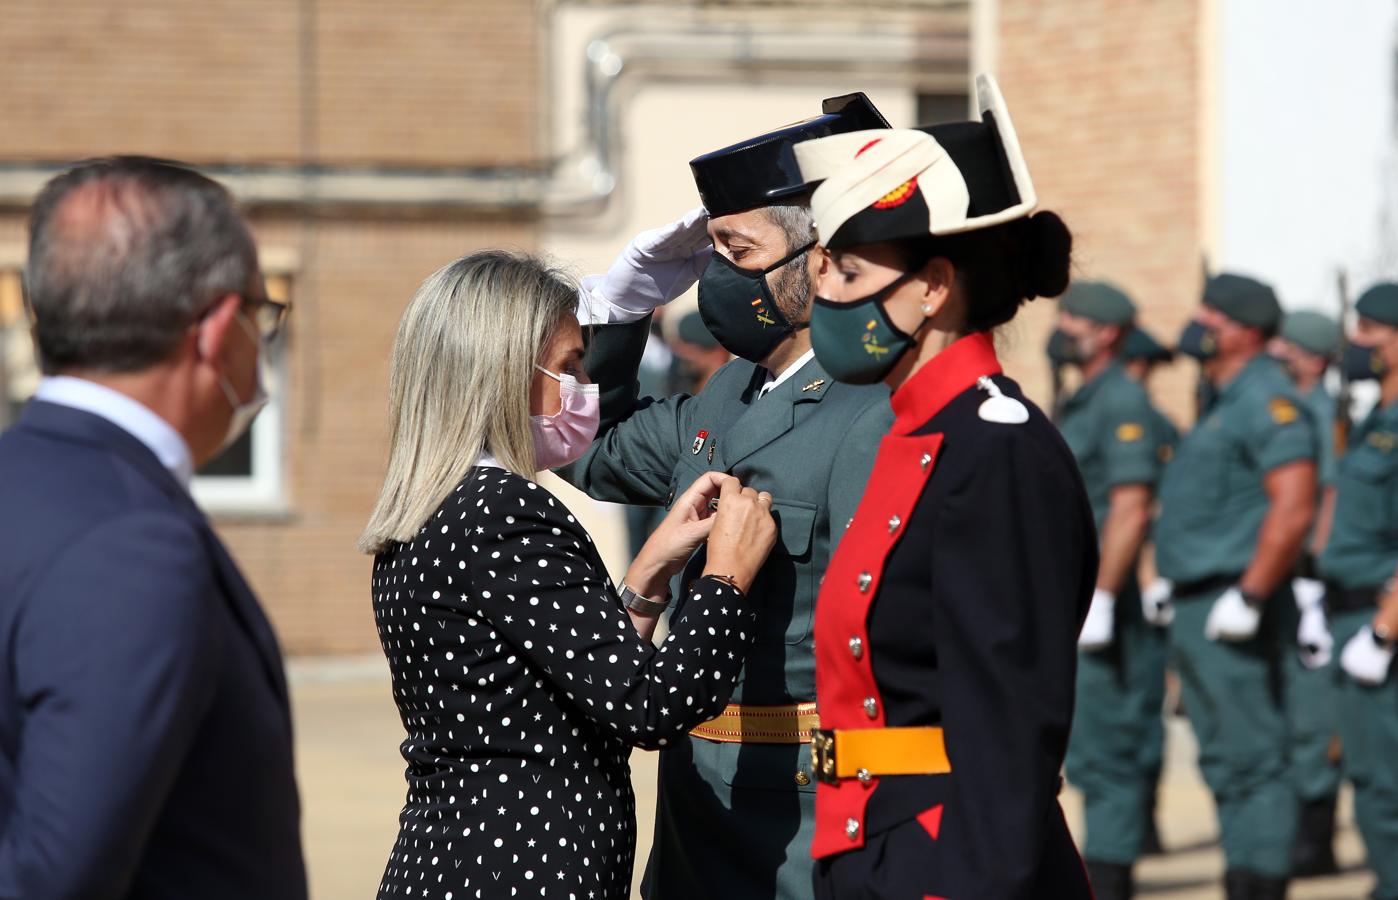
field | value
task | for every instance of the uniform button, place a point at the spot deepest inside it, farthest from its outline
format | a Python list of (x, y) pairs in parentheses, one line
[(803, 779), (893, 524), (925, 461), (865, 579), (852, 829), (856, 647), (849, 522), (864, 776), (871, 707)]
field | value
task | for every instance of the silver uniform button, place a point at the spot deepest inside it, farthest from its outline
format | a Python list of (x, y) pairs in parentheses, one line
[(864, 776), (926, 460), (893, 524), (871, 707), (852, 829), (856, 647), (865, 579)]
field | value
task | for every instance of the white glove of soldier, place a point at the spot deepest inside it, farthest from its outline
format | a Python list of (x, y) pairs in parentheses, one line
[(1364, 660), (655, 268), (1314, 643), (1155, 602), (1232, 618), (1097, 628)]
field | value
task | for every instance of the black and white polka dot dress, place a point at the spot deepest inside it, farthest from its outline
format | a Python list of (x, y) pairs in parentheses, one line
[(522, 685)]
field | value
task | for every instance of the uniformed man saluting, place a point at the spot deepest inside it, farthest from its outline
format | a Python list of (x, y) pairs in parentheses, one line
[(736, 800), (1112, 429), (1359, 565), (1235, 506)]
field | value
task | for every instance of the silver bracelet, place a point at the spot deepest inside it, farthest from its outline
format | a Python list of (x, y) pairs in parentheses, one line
[(642, 606)]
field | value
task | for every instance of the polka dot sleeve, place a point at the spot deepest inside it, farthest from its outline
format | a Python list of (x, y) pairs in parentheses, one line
[(536, 577)]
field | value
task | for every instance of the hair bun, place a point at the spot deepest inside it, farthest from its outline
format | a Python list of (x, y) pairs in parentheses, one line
[(1048, 251)]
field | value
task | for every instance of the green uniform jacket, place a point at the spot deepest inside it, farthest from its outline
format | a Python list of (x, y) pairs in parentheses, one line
[(1322, 406), (1212, 497), (1116, 435), (1363, 548), (735, 818)]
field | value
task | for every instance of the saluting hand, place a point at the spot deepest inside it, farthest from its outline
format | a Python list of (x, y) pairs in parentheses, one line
[(656, 266)]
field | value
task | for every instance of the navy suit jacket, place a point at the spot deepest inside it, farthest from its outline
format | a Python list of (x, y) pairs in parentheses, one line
[(145, 734)]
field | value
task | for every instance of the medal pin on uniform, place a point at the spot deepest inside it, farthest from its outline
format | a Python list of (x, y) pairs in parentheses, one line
[(699, 440), (814, 385), (999, 408)]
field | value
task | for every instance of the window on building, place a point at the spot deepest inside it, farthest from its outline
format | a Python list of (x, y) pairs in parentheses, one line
[(247, 479)]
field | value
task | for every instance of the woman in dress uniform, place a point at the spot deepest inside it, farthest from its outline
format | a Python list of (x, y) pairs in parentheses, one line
[(518, 670), (946, 627)]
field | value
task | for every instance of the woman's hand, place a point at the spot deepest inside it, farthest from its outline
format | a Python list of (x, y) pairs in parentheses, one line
[(743, 532), (677, 536)]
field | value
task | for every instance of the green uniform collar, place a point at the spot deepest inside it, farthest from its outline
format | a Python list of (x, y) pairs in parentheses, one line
[(1089, 389)]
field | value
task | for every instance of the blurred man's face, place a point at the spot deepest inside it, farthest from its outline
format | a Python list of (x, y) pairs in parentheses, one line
[(1234, 338), (1379, 337), (1091, 337)]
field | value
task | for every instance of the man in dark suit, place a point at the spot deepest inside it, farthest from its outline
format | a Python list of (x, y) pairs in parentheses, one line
[(145, 734)]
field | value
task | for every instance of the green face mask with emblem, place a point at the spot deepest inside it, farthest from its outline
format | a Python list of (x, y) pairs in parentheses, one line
[(857, 342)]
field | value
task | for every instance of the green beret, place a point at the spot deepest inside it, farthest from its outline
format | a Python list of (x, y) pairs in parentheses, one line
[(1099, 301), (1379, 303), (1244, 300), (1140, 345), (692, 330), (1313, 332)]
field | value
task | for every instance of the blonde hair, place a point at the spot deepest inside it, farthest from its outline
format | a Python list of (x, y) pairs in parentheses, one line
[(459, 381)]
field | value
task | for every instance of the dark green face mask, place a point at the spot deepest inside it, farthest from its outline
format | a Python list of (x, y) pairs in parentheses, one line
[(1063, 349), (857, 342)]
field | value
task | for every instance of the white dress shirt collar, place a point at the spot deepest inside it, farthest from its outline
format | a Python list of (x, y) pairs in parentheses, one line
[(127, 414), (789, 371)]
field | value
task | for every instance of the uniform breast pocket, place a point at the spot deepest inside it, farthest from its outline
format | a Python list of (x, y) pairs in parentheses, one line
[(1370, 502), (790, 568)]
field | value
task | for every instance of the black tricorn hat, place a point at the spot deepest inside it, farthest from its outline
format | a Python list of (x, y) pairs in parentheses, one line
[(762, 170)]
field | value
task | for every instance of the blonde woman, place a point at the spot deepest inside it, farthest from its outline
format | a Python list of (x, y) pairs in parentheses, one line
[(522, 677)]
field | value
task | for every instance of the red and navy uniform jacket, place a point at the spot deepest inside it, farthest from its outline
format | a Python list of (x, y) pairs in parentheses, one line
[(954, 600)]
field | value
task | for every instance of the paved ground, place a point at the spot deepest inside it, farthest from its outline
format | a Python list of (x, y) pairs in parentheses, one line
[(352, 788)]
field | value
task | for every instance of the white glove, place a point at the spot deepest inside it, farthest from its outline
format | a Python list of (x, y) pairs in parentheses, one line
[(1097, 628), (1155, 602), (1231, 618), (1314, 643), (1364, 660), (655, 268)]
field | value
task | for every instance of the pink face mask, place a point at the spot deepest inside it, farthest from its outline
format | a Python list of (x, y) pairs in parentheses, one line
[(564, 436)]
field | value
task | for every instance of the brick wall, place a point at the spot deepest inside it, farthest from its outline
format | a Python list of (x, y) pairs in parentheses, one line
[(418, 82), (1106, 98), (424, 82)]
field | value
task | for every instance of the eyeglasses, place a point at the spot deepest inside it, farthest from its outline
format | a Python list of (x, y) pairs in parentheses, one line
[(270, 317)]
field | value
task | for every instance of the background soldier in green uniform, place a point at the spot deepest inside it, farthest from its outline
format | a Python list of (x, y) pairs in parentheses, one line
[(1307, 346), (1236, 504), (1359, 564), (1141, 355), (1111, 428), (736, 809)]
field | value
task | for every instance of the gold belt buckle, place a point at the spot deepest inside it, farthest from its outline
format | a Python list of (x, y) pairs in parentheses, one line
[(823, 755)]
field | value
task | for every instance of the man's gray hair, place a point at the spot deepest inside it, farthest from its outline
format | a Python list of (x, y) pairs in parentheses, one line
[(794, 219), (125, 253)]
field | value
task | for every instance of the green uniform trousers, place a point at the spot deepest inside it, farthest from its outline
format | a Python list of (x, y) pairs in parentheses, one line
[(1149, 662), (1369, 734), (1233, 697), (1312, 720), (1110, 726)]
